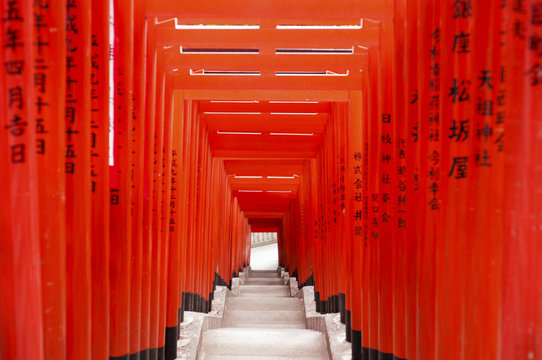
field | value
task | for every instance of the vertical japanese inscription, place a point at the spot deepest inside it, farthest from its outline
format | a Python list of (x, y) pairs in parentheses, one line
[(72, 79), (15, 67)]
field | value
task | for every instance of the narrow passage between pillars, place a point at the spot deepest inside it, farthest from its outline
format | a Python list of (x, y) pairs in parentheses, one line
[(392, 145)]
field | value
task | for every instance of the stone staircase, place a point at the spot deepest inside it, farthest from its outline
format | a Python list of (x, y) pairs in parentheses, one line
[(264, 322)]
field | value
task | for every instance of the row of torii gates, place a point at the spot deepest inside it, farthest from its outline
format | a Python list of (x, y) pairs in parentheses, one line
[(394, 145)]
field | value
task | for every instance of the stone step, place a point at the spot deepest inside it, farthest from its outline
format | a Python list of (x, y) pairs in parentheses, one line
[(234, 343), (264, 274), (234, 318), (264, 281), (267, 326), (264, 290), (264, 304), (263, 357)]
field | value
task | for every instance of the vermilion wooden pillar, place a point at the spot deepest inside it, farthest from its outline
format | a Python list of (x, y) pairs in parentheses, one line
[(157, 184), (521, 295), (100, 93), (174, 220), (148, 193), (429, 202), (355, 220), (373, 180), (78, 180), (49, 62), (412, 220), (137, 169), (400, 258), (184, 204), (164, 227), (386, 192), (121, 181), (21, 324)]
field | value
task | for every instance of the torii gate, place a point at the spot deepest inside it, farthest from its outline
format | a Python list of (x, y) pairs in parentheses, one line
[(394, 145)]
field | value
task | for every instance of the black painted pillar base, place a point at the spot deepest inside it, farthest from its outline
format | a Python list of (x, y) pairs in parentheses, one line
[(356, 344), (171, 343), (317, 301), (348, 326), (186, 301), (161, 353), (124, 357), (153, 354), (373, 354), (136, 356), (385, 356), (342, 307), (365, 353), (144, 355)]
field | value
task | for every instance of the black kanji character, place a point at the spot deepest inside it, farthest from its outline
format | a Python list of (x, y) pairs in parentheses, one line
[(500, 142), (536, 18), (460, 133), (461, 43), (12, 11), (462, 9), (71, 24), (40, 146), (485, 79), (518, 6), (357, 197), (459, 92), (40, 104), (115, 197), (434, 134), (40, 127), (386, 178), (13, 39), (414, 97), (15, 97), (485, 107), (70, 151), (39, 81), (483, 160), (17, 153), (535, 73), (358, 184), (38, 22), (434, 157), (14, 67), (486, 132), (40, 44), (70, 114), (41, 4), (459, 167), (519, 29), (358, 215), (386, 118), (16, 125)]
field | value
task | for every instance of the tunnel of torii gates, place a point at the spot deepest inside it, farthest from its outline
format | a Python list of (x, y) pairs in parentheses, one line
[(394, 145)]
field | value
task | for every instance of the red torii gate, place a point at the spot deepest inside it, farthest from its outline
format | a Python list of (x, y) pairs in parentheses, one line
[(395, 141)]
